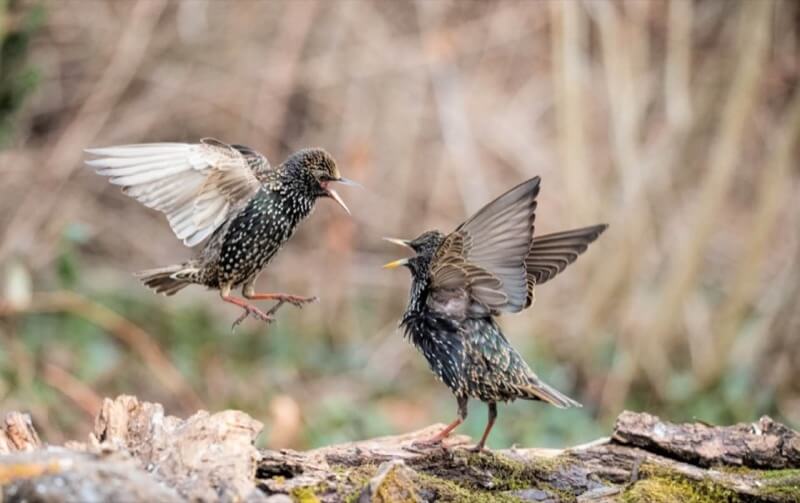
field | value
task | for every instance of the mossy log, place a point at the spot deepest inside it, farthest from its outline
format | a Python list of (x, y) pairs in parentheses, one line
[(137, 453)]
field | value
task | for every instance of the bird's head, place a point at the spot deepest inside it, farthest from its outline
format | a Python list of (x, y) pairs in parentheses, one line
[(424, 247), (320, 171)]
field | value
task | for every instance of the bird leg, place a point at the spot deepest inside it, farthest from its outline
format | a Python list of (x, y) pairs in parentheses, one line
[(249, 293), (249, 309), (439, 437), (295, 300), (492, 417)]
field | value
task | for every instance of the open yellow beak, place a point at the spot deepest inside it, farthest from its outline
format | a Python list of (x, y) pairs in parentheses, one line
[(396, 263), (402, 261)]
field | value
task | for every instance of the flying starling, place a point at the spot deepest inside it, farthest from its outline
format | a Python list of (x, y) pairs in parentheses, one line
[(489, 265), (228, 196)]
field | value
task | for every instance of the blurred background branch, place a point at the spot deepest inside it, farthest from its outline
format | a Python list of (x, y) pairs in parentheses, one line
[(675, 121)]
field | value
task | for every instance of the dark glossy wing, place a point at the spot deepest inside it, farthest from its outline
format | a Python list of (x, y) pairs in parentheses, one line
[(552, 253), (486, 254), (195, 185)]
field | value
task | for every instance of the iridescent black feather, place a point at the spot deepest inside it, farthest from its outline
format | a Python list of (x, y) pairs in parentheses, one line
[(461, 281)]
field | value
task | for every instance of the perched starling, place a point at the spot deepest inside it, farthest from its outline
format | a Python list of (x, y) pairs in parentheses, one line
[(229, 196), (461, 281)]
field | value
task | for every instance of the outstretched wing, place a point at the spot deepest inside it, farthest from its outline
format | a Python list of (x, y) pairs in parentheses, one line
[(486, 254), (552, 253), (195, 185)]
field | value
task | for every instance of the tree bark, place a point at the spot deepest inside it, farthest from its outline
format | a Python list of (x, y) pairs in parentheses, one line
[(137, 453)]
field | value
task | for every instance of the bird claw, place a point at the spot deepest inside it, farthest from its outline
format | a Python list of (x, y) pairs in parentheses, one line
[(274, 309), (476, 449), (255, 313), (294, 300), (298, 301)]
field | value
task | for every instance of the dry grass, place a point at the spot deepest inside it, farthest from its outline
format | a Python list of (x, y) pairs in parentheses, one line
[(676, 122)]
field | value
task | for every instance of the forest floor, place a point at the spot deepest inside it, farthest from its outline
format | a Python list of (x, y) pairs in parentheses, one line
[(137, 453)]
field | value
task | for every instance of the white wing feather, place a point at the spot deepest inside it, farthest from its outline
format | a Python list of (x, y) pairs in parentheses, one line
[(194, 185)]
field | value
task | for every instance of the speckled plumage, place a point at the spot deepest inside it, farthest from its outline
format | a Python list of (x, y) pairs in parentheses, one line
[(461, 281), (229, 196), (243, 245)]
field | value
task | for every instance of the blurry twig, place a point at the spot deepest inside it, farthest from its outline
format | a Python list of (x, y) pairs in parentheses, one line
[(448, 92), (678, 64), (65, 156), (780, 356), (684, 269), (771, 195), (569, 40), (622, 38), (83, 396), (24, 369), (279, 75), (125, 331)]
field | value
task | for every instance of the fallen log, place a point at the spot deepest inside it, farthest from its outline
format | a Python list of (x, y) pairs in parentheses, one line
[(138, 453)]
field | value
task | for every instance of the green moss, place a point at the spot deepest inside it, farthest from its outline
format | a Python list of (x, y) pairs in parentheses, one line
[(663, 486), (792, 473), (507, 474), (396, 488), (353, 481), (781, 485), (777, 485), (510, 474), (446, 491), (304, 495), (738, 470)]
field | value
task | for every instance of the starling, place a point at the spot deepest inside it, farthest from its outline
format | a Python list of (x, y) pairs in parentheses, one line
[(490, 264), (228, 196)]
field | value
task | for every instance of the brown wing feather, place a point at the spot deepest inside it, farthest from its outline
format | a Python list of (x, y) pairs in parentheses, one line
[(489, 250), (552, 253)]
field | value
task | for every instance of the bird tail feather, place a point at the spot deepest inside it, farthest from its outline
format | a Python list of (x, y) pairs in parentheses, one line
[(170, 279), (546, 393)]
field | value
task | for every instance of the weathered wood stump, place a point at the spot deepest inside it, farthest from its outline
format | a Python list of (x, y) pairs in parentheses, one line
[(137, 453)]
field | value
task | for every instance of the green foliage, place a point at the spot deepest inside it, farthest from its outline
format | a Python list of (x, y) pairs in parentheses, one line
[(67, 261), (18, 78)]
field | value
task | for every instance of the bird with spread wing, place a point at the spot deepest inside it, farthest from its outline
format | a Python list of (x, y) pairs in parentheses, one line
[(489, 265), (228, 196)]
